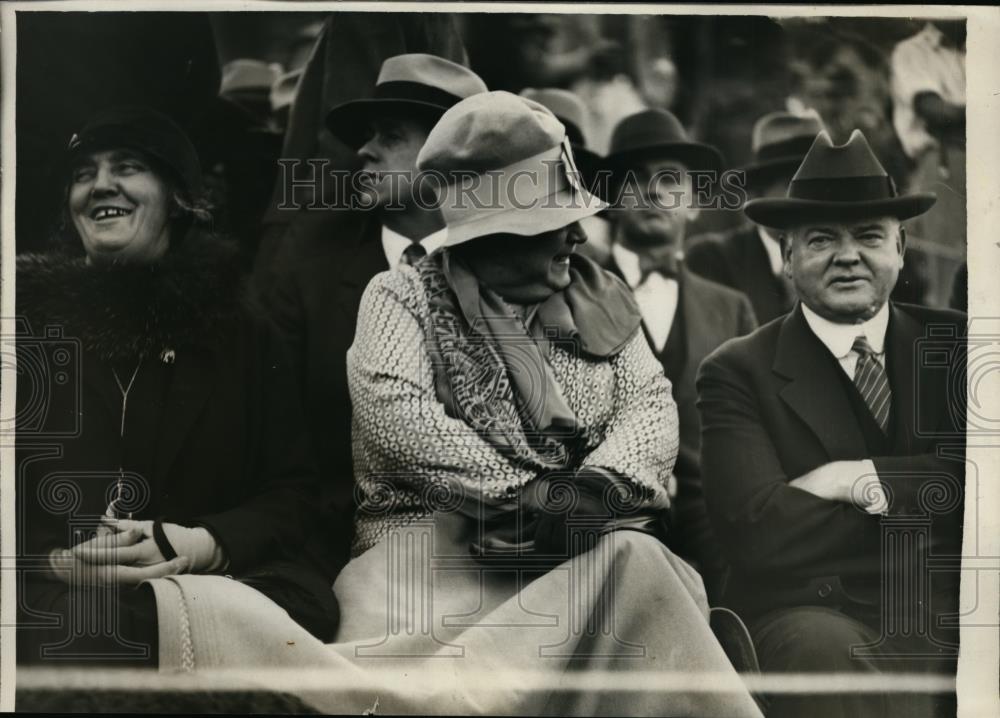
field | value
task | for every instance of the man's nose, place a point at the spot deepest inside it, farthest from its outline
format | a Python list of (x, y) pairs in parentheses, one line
[(367, 152), (847, 253)]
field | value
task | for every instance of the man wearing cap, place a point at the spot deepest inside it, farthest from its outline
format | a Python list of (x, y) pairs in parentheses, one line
[(319, 280), (748, 258), (833, 446), (685, 317)]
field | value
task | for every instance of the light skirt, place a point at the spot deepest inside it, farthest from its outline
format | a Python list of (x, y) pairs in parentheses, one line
[(620, 629)]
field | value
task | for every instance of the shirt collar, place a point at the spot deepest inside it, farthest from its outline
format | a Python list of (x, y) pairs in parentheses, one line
[(394, 243), (839, 338), (628, 263)]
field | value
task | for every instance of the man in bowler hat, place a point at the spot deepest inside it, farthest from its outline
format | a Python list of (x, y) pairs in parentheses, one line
[(685, 317), (833, 447), (319, 280), (748, 258)]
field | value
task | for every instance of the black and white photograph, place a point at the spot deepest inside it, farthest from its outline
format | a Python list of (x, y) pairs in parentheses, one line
[(500, 359)]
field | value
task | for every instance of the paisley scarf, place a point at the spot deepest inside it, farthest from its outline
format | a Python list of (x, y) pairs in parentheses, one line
[(491, 365)]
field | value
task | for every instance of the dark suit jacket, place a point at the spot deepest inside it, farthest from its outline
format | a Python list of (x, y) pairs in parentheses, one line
[(320, 274), (774, 407), (737, 259), (708, 314)]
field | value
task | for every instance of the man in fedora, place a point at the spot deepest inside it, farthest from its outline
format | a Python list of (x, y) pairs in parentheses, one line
[(685, 317), (748, 258), (319, 280), (833, 446)]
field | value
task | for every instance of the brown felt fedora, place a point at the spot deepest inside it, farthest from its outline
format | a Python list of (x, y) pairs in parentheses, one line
[(412, 85), (838, 182)]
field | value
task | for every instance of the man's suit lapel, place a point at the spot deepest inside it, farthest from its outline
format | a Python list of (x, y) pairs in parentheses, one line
[(901, 353), (364, 257), (701, 318), (814, 391)]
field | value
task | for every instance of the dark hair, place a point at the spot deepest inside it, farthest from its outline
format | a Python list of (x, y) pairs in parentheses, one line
[(188, 210)]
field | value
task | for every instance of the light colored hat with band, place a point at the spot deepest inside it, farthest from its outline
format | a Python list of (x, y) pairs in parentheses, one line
[(505, 165), (414, 85)]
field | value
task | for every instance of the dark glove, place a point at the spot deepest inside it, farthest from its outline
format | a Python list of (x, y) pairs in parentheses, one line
[(574, 510)]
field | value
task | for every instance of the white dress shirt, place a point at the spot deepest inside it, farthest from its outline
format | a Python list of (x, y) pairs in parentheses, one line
[(773, 249), (923, 63), (394, 244), (656, 295), (839, 338)]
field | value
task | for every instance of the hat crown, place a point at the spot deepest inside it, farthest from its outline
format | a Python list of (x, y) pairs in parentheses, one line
[(144, 129), (565, 105), (779, 129), (432, 71), (647, 128), (489, 131), (828, 161)]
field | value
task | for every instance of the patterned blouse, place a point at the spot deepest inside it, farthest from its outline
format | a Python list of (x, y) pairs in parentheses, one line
[(412, 459)]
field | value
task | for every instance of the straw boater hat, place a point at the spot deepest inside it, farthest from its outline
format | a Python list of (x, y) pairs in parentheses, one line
[(779, 142), (415, 85), (838, 182), (526, 179)]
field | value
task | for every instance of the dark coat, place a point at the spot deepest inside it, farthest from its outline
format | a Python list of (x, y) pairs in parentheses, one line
[(737, 259), (213, 432), (776, 405), (708, 315), (320, 274)]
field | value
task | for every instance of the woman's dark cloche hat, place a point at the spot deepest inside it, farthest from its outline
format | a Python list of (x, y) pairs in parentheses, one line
[(838, 182), (412, 85), (658, 134), (147, 131)]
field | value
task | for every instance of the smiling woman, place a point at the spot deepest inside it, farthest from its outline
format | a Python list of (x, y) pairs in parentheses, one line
[(170, 464)]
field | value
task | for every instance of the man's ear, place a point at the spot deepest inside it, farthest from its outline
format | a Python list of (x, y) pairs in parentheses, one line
[(785, 241), (902, 244)]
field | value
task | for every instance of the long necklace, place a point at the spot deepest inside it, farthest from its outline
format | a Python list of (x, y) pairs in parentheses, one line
[(112, 512)]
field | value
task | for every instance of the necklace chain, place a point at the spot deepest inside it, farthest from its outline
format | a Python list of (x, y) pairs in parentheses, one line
[(124, 391)]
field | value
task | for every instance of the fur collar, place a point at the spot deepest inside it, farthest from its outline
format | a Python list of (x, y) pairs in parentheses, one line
[(125, 312)]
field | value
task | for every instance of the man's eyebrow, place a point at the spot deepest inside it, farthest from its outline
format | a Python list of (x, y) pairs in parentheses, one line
[(822, 228), (868, 228)]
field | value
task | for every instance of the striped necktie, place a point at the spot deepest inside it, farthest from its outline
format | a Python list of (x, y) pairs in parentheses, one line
[(872, 382), (413, 254)]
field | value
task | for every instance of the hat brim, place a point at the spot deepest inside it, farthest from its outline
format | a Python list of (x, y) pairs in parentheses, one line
[(761, 174), (786, 213), (694, 155), (349, 121), (530, 221)]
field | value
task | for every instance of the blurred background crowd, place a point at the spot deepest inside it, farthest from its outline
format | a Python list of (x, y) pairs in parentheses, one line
[(252, 87)]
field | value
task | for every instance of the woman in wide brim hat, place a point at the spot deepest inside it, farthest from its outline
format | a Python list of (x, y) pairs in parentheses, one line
[(173, 408), (509, 418), (838, 182)]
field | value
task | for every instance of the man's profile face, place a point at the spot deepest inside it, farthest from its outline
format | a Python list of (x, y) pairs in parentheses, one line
[(845, 271), (390, 154), (656, 209)]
